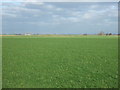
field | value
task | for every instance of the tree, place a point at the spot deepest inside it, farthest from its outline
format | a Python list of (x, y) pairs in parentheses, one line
[(107, 34), (110, 33), (84, 34), (101, 33)]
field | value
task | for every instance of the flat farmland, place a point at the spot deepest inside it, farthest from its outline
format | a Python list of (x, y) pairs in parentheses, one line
[(60, 62)]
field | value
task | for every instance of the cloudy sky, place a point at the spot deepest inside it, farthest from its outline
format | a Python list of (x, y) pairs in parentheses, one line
[(59, 17)]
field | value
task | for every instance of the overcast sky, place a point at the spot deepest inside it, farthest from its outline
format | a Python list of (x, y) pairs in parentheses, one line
[(59, 17)]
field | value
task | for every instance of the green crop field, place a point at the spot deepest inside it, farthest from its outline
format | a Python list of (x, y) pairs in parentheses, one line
[(60, 62)]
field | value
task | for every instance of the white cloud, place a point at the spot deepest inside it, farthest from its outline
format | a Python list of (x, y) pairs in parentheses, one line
[(17, 11), (94, 6), (58, 15), (87, 16), (52, 7), (55, 16), (49, 6), (9, 15), (76, 13), (59, 9), (73, 19), (60, 19)]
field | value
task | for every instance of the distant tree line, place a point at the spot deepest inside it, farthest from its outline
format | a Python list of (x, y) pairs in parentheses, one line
[(102, 33), (85, 34)]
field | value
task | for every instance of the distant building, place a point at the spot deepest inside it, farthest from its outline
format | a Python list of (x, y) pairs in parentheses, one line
[(27, 34)]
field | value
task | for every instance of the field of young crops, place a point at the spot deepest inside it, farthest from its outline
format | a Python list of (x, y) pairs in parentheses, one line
[(60, 62)]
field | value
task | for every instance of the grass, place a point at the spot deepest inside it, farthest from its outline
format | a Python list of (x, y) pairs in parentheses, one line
[(60, 62)]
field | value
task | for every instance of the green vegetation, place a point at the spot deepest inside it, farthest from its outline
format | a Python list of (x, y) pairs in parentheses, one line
[(73, 62)]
